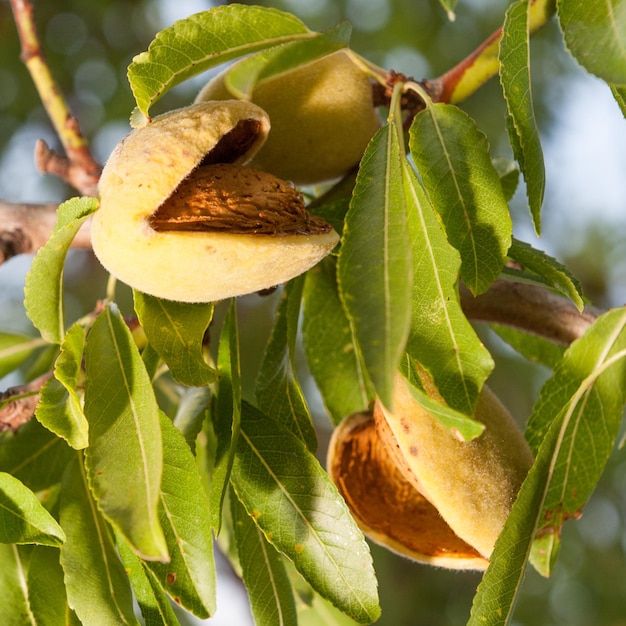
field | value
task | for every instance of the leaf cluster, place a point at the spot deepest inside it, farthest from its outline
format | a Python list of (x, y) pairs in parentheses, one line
[(107, 498)]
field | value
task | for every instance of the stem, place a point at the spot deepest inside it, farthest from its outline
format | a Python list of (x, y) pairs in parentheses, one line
[(460, 82), (78, 168)]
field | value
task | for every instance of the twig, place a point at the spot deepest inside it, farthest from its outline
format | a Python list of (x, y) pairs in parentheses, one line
[(24, 228), (530, 308), (78, 167), (17, 412)]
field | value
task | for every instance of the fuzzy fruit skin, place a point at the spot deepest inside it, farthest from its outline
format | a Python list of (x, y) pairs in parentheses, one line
[(322, 118), (472, 484), (143, 171)]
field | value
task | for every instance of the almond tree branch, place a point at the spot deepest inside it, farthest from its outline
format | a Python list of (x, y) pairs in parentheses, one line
[(24, 228), (78, 167), (530, 308)]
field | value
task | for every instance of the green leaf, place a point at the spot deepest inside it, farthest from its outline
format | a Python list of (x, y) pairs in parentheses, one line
[(191, 413), (176, 331), (43, 289), (46, 588), (328, 339), (572, 430), (515, 79), (465, 426), (264, 574), (59, 408), (619, 93), (14, 605), (509, 175), (243, 77), (294, 503), (375, 267), (154, 605), (14, 349), (35, 456), (23, 519), (123, 416), (441, 338), (227, 415), (531, 347), (551, 273), (189, 577), (595, 35), (204, 40), (278, 392), (452, 157), (96, 582)]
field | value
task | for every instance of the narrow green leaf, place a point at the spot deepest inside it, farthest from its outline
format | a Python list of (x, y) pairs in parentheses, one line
[(441, 338), (43, 289), (552, 273), (23, 519), (278, 392), (59, 408), (515, 79), (14, 349), (192, 412), (46, 588), (14, 604), (189, 577), (375, 267), (264, 574), (328, 338), (204, 40), (35, 456), (227, 415), (572, 430), (96, 582), (452, 157), (595, 35), (123, 415), (176, 331), (509, 175), (154, 605), (532, 347), (300, 512)]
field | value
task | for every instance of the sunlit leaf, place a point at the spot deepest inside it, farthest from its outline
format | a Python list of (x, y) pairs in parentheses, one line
[(14, 349), (154, 605), (96, 582), (278, 391), (572, 431), (264, 575), (452, 157), (328, 339), (176, 331), (189, 577), (294, 503), (594, 33), (375, 267), (204, 40), (43, 290), (515, 80), (123, 415), (619, 93), (23, 519), (531, 347), (552, 273), (441, 338), (59, 408), (191, 413), (227, 414), (509, 175)]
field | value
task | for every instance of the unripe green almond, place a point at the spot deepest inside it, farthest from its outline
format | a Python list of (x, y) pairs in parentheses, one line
[(322, 117), (173, 197)]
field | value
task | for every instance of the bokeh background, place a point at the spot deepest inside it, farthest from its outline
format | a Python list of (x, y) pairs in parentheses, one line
[(89, 45)]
